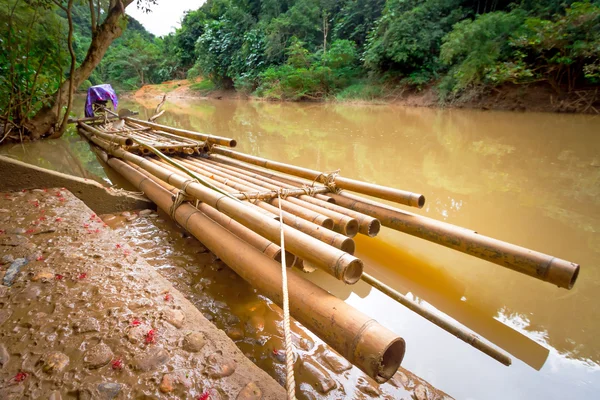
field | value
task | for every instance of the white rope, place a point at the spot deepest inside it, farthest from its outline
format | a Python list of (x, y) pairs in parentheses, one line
[(289, 351)]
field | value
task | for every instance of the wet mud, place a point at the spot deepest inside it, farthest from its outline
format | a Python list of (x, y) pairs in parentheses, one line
[(83, 316), (252, 321)]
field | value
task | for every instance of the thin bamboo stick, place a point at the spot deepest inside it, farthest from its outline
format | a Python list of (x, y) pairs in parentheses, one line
[(446, 325)]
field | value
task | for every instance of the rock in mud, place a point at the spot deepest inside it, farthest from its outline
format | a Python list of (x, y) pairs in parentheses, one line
[(151, 359), (420, 393), (54, 362), (145, 212), (4, 316), (4, 356), (194, 342), (235, 333), (167, 385), (28, 294), (317, 374), (98, 356), (12, 392), (55, 395), (44, 275), (109, 390), (250, 392), (334, 362), (87, 325), (175, 317), (169, 381), (219, 367), (137, 334)]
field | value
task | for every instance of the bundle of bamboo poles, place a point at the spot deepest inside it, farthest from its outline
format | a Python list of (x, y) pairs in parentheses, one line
[(230, 201)]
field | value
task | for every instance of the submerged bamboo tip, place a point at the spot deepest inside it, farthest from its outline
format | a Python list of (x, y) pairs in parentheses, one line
[(378, 351), (562, 273), (232, 143)]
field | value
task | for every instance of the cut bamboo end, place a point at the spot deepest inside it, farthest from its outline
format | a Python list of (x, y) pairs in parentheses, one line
[(373, 228), (563, 273), (349, 269)]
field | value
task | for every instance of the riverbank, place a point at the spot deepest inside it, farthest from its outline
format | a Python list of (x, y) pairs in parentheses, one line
[(84, 315), (509, 97)]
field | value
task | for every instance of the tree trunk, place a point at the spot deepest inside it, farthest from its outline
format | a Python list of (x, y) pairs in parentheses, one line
[(45, 119)]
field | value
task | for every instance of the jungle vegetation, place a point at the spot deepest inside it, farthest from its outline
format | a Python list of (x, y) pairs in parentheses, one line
[(291, 49)]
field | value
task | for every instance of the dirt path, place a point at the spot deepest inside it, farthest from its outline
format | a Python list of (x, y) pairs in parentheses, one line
[(82, 315)]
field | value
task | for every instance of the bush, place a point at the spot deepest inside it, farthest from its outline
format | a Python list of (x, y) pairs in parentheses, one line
[(204, 86), (361, 91)]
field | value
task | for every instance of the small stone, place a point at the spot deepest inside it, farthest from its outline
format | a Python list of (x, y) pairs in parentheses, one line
[(219, 367), (12, 392), (7, 259), (250, 392), (98, 356), (4, 356), (235, 333), (334, 362), (194, 342), (166, 385), (175, 317), (4, 315), (151, 359), (44, 275), (145, 212), (55, 362), (55, 395), (420, 393), (87, 325), (28, 294), (109, 390), (137, 334), (399, 380), (323, 381)]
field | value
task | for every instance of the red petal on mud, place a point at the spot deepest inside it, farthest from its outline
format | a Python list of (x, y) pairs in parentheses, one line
[(118, 246), (151, 336), (45, 190), (58, 219), (136, 322), (2, 231), (58, 277), (40, 258), (275, 351), (93, 216), (62, 199), (117, 364), (96, 230), (204, 396), (168, 297), (24, 190), (58, 194), (42, 218), (86, 225), (82, 275), (21, 376), (30, 231)]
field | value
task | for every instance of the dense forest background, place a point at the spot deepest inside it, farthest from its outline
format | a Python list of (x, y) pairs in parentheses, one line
[(314, 49)]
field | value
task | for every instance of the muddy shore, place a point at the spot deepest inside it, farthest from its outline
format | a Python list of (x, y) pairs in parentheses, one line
[(84, 316), (536, 97)]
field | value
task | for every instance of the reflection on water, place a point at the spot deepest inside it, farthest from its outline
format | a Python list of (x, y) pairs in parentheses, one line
[(530, 179)]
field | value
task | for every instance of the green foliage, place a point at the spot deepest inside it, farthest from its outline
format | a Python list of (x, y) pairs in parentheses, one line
[(475, 48), (203, 86), (364, 91), (33, 57), (408, 36)]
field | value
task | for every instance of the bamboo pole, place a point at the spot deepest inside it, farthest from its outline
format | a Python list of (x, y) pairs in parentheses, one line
[(337, 263), (538, 265), (179, 139), (374, 349), (383, 192), (301, 212), (293, 181), (120, 140), (443, 323), (187, 134), (341, 223), (265, 246), (367, 225)]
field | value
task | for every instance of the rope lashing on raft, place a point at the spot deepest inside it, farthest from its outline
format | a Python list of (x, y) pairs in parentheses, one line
[(289, 350), (328, 179), (181, 197)]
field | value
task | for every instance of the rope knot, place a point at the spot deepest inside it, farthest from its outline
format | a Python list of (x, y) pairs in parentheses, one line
[(328, 179)]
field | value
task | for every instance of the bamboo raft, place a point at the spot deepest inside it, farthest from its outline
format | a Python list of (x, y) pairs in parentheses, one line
[(230, 202)]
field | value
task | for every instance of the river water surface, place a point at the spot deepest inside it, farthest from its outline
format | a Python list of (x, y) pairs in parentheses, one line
[(529, 179)]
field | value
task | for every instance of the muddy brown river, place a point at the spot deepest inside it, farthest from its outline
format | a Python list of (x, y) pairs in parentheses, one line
[(530, 179)]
